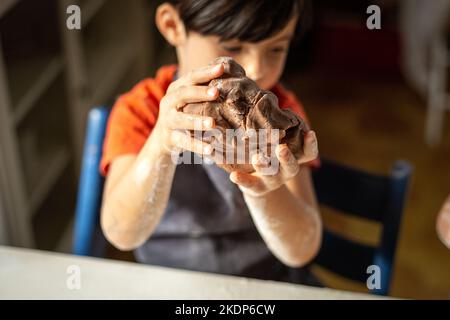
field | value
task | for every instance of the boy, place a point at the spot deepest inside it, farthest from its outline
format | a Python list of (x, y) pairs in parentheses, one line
[(199, 217)]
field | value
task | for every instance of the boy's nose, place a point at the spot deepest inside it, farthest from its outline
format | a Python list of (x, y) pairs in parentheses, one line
[(254, 67)]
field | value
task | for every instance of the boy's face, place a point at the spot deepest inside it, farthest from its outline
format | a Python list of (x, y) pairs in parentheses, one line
[(263, 61)]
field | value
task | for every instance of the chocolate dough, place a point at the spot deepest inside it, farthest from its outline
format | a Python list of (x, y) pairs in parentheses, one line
[(243, 105)]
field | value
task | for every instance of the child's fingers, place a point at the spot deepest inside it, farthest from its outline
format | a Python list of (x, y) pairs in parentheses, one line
[(264, 166), (197, 76), (288, 162), (247, 181), (310, 147), (190, 94), (188, 121), (203, 75), (443, 223), (183, 140), (260, 162)]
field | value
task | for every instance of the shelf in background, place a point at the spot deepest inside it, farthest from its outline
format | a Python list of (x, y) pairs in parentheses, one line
[(43, 140), (29, 78), (89, 8), (109, 57), (36, 86), (51, 79), (129, 79), (106, 74), (54, 166), (6, 5)]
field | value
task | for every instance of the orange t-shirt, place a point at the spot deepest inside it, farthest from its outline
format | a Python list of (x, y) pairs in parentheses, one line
[(135, 113)]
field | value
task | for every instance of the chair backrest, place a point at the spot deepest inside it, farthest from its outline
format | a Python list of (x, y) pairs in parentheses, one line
[(86, 241), (374, 197)]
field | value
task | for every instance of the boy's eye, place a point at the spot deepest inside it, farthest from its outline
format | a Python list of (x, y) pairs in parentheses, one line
[(279, 50), (233, 49)]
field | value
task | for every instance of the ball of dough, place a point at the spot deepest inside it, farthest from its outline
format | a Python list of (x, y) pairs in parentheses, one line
[(246, 109)]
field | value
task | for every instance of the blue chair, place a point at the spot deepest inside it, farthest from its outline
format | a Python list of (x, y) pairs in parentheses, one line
[(374, 197), (87, 238)]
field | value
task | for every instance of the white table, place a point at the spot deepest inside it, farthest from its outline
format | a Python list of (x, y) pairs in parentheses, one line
[(32, 274)]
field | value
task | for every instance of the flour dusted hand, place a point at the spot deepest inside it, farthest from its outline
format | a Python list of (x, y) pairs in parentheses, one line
[(243, 106)]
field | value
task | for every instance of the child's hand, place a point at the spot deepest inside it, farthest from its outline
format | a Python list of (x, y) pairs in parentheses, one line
[(443, 223), (257, 184), (172, 124)]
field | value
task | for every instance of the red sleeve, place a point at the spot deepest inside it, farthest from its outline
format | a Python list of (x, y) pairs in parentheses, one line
[(130, 123)]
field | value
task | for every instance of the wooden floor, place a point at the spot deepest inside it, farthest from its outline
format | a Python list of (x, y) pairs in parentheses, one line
[(370, 123)]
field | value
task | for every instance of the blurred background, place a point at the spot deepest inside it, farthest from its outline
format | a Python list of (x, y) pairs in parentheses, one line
[(373, 97)]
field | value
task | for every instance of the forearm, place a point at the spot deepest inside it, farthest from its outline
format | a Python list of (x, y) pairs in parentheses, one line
[(135, 204), (290, 226), (138, 188)]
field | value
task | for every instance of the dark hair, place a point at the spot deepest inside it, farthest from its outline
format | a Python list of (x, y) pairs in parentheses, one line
[(246, 20)]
